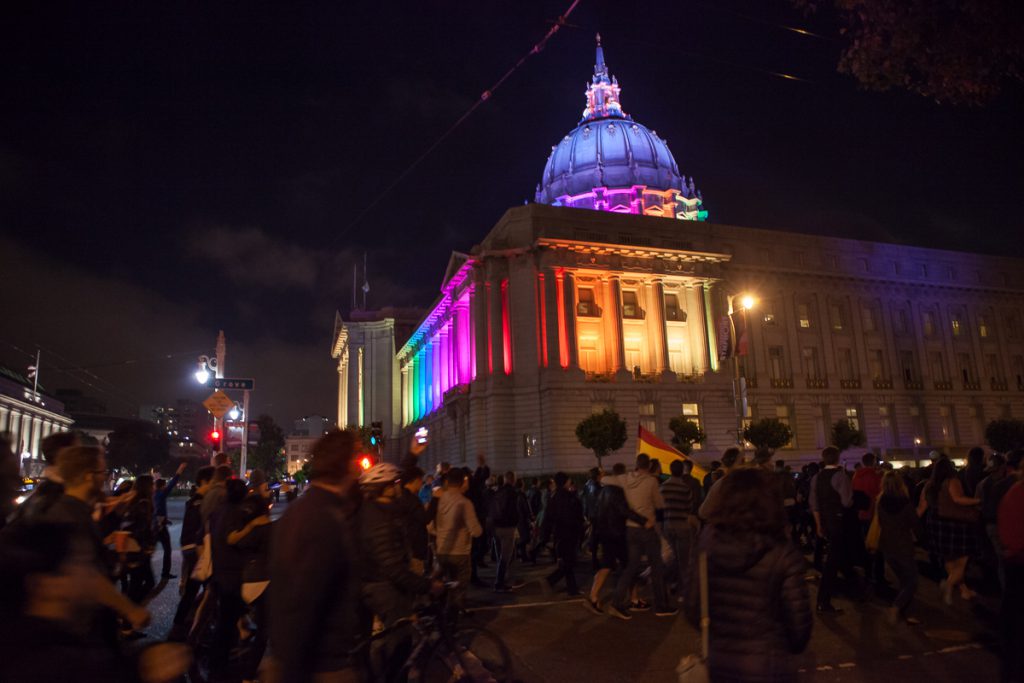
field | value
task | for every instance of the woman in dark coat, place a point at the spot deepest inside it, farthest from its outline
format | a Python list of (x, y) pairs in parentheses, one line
[(759, 605), (897, 520)]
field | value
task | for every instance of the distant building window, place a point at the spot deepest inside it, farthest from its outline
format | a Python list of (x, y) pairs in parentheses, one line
[(1018, 370), (876, 363), (836, 313), (587, 307), (804, 316), (955, 323), (672, 311), (691, 411), (867, 317), (966, 367), (776, 366), (937, 366), (769, 318), (982, 327), (928, 319), (647, 417), (852, 418), (846, 364), (631, 306), (992, 370), (1012, 326), (902, 322), (908, 366), (782, 414), (812, 369)]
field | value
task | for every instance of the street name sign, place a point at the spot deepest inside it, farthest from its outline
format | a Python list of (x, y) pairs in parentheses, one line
[(246, 383), (218, 403)]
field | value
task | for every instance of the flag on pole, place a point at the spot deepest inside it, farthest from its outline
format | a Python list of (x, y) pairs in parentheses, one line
[(659, 450)]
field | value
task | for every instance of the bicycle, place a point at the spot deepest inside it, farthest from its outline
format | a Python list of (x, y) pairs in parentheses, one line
[(442, 650)]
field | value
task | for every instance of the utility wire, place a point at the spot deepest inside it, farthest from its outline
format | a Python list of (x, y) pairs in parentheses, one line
[(486, 95)]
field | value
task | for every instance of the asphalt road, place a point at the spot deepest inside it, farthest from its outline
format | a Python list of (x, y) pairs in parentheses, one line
[(554, 639)]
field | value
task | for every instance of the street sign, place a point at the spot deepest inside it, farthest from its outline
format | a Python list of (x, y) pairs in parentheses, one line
[(218, 403), (246, 383)]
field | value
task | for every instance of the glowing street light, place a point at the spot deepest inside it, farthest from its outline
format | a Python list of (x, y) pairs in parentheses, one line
[(747, 302), (206, 364)]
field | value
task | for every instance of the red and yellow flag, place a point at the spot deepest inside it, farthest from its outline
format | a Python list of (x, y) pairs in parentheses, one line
[(659, 450)]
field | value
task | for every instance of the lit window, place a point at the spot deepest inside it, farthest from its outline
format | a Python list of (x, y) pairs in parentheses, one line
[(956, 325), (803, 315), (672, 311), (691, 411), (982, 327), (782, 414), (876, 363), (775, 362), (647, 418), (630, 306), (587, 307), (851, 418), (769, 318)]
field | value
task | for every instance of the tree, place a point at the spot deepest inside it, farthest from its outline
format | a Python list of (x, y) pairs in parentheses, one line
[(268, 453), (138, 446), (602, 433), (685, 433), (768, 433), (1005, 435), (844, 435), (958, 51)]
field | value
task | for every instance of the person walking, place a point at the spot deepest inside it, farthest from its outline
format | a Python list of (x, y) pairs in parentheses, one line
[(563, 523), (867, 485), (730, 460), (610, 530), (524, 523), (314, 577), (228, 564), (1010, 523), (759, 605), (897, 520), (991, 491), (644, 498), (456, 524), (503, 520), (951, 518), (162, 489), (831, 498), (679, 523)]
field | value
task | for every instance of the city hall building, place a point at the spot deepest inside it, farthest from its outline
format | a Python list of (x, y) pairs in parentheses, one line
[(614, 290)]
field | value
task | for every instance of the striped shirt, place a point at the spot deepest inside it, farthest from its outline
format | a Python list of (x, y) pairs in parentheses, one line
[(679, 501)]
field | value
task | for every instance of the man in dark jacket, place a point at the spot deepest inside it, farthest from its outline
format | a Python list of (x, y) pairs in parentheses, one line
[(503, 520), (479, 495), (525, 521), (191, 541), (609, 530), (414, 518), (563, 520), (831, 498), (314, 580), (162, 489)]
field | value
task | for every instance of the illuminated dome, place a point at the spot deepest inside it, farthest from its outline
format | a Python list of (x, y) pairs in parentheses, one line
[(609, 162)]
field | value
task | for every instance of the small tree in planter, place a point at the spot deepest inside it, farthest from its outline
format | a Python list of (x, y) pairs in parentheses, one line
[(685, 434), (768, 433), (845, 436), (602, 433)]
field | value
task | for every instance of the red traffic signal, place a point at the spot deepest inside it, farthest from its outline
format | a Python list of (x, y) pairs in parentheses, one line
[(215, 436), (366, 462)]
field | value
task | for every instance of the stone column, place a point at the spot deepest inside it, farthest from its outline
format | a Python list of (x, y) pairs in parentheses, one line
[(664, 364), (26, 432), (497, 337), (569, 294), (37, 428), (4, 413), (695, 321), (478, 302), (551, 322), (342, 391), (619, 366)]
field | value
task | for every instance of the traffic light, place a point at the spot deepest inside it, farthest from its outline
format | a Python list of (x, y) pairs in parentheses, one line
[(366, 462), (376, 434), (215, 438)]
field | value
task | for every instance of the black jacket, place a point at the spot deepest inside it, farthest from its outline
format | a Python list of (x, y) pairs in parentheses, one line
[(525, 517), (384, 552), (192, 525), (759, 606), (414, 520), (504, 512), (314, 586), (563, 517), (612, 513), (46, 493)]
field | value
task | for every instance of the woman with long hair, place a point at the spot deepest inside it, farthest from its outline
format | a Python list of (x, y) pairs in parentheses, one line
[(897, 519), (950, 517), (759, 605)]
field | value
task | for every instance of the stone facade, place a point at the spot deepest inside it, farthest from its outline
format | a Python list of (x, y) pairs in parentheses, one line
[(560, 312), (29, 418)]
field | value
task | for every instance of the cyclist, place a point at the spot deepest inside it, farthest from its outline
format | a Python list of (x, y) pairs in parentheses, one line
[(390, 586)]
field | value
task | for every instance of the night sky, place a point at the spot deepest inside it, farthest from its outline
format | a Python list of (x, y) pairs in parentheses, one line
[(168, 171)]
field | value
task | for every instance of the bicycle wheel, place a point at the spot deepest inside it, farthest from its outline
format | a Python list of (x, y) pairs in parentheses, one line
[(475, 655)]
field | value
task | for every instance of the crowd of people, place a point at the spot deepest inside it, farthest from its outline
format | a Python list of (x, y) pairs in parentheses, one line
[(297, 598)]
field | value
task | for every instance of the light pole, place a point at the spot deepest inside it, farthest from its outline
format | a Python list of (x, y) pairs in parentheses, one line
[(216, 363), (739, 304)]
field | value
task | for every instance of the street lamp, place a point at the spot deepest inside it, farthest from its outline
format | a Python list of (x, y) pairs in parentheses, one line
[(235, 412), (206, 364), (739, 304)]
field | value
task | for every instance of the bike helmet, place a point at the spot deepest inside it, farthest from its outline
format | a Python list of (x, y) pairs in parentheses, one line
[(381, 473)]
